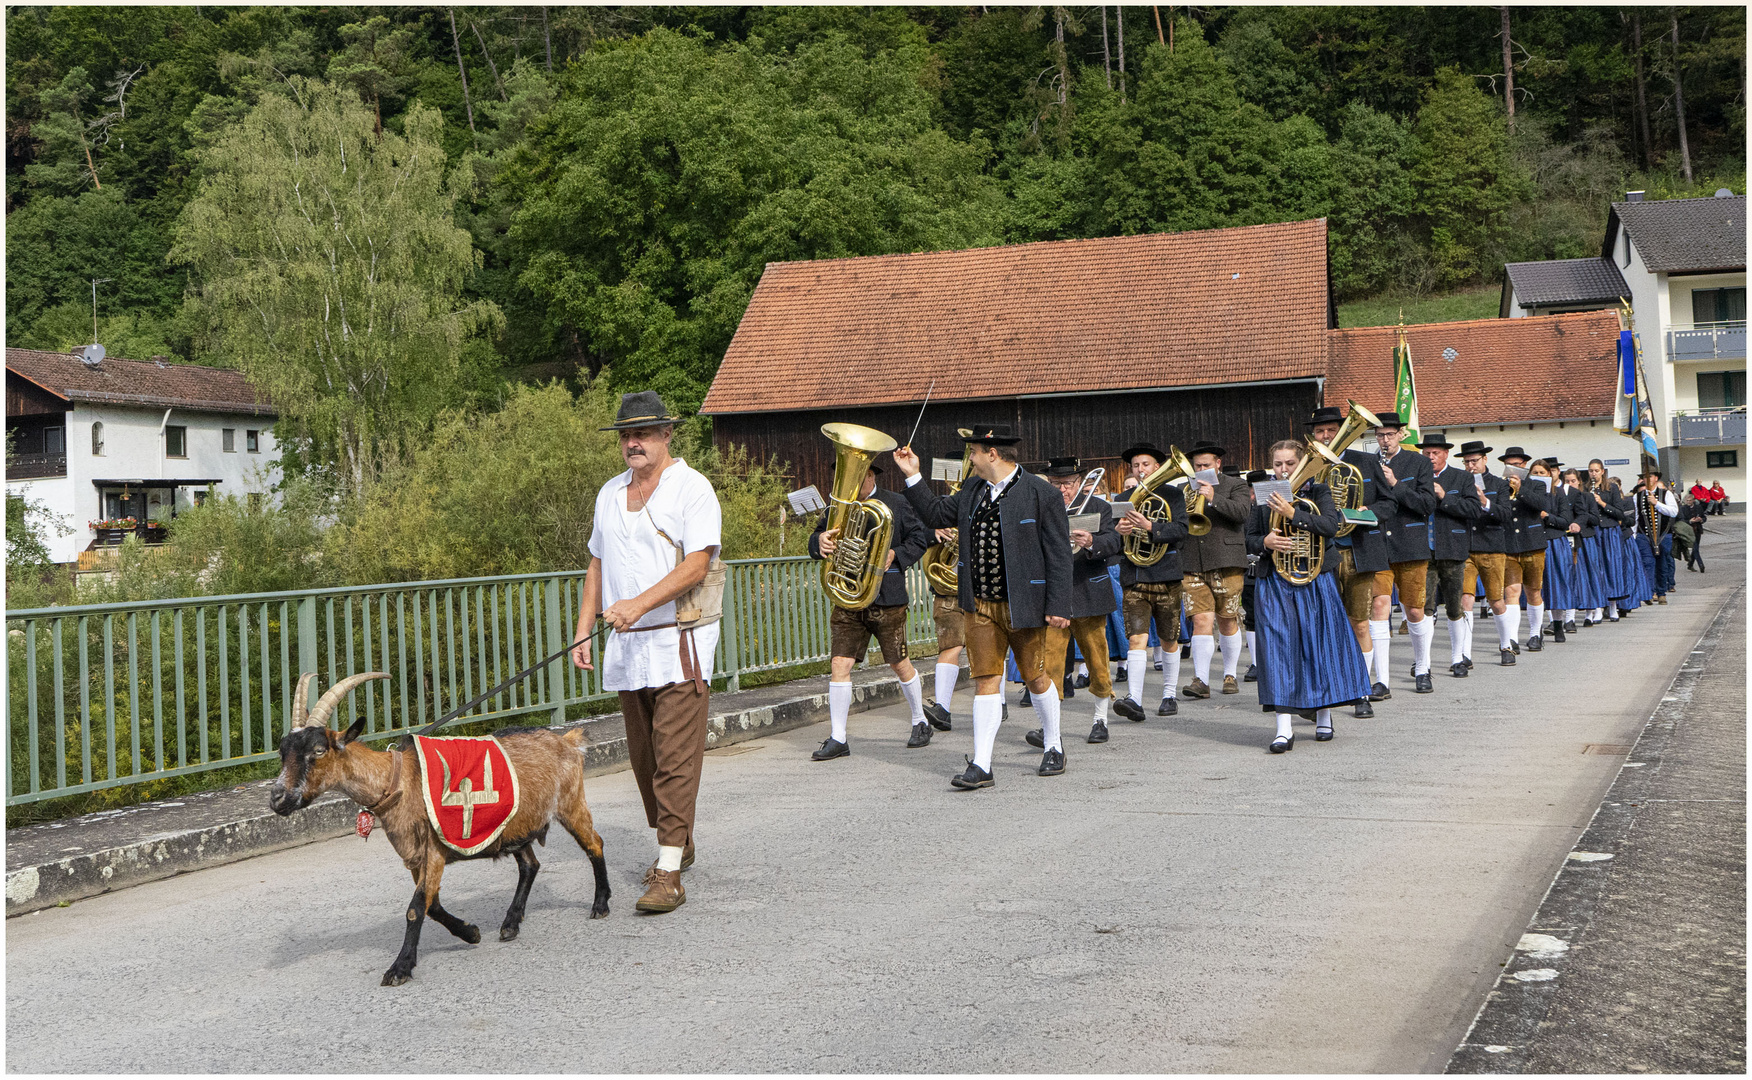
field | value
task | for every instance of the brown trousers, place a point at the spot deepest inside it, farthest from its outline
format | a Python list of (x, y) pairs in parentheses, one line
[(666, 740), (1091, 636)]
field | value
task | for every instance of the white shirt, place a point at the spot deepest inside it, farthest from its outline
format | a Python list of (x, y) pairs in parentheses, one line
[(1666, 506), (993, 490), (634, 558)]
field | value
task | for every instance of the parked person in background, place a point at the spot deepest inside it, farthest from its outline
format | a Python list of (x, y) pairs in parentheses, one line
[(1691, 517), (1700, 492), (1718, 499)]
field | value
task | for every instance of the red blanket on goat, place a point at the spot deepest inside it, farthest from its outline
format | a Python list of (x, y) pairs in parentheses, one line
[(470, 789)]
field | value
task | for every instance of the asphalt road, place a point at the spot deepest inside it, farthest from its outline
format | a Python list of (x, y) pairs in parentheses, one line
[(1180, 900)]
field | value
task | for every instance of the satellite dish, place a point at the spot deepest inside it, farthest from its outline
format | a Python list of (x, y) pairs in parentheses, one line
[(1723, 193), (91, 354)]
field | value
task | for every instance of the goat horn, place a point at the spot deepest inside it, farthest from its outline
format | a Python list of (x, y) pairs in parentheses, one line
[(301, 701), (325, 705)]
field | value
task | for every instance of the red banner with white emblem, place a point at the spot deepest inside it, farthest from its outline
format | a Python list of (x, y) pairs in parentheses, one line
[(470, 789)]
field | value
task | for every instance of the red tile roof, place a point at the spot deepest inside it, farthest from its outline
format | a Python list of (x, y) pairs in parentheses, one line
[(146, 383), (1133, 312), (1485, 371)]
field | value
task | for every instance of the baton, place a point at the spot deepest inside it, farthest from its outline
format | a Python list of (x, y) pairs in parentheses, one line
[(921, 419)]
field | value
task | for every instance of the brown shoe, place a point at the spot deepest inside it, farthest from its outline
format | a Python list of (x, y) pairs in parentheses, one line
[(687, 859), (665, 893), (1230, 686), (1196, 689)]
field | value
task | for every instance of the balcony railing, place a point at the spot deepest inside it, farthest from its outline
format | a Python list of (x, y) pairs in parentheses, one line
[(36, 466), (1707, 341), (1710, 427)]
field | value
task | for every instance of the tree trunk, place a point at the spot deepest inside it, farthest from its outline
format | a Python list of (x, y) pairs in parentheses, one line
[(548, 40), (1119, 13), (456, 43), (492, 67), (1160, 40), (1106, 58), (1642, 97), (1508, 71), (91, 165), (1679, 104)]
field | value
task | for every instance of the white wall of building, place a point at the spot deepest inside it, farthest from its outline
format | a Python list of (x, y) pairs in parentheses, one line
[(1574, 442)]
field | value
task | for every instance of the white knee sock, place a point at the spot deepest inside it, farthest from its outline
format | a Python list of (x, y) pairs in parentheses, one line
[(1082, 669), (1612, 609), (839, 706), (1203, 646), (988, 713), (944, 690), (1252, 647), (1284, 719), (1569, 615), (1422, 633), (1535, 619), (1323, 720), (1046, 706), (1597, 615), (668, 858), (1135, 664), (913, 691), (1101, 710), (1171, 676), (1513, 611), (1456, 640), (1505, 631), (1231, 644), (1381, 633)]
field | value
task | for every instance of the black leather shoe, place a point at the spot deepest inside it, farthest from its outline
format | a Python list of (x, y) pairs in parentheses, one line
[(1169, 707), (971, 780), (1570, 626), (1508, 656), (1322, 734), (1283, 744), (1052, 763), (1070, 691), (1098, 733), (921, 736), (830, 749), (1424, 685), (1036, 739), (1467, 660), (1157, 664), (938, 716), (1252, 673), (1129, 709), (1536, 643), (1515, 645), (1027, 701), (1081, 682), (1380, 692), (1557, 633), (1364, 710), (1119, 674), (1457, 670)]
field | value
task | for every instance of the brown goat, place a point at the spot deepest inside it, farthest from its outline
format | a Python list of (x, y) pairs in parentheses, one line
[(550, 772)]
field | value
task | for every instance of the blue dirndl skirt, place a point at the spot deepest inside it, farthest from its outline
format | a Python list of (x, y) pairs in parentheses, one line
[(1308, 655), (1591, 576), (1639, 581), (1618, 579), (1117, 645), (1560, 576)]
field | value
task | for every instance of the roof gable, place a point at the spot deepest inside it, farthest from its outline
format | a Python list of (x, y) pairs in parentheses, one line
[(1566, 281), (149, 384), (1682, 235), (1074, 316)]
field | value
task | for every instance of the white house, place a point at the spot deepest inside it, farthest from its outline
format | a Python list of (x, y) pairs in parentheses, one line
[(1682, 265), (101, 439)]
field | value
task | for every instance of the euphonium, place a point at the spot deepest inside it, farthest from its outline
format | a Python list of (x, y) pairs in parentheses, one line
[(942, 561), (1345, 479), (1301, 564), (1140, 548), (852, 575)]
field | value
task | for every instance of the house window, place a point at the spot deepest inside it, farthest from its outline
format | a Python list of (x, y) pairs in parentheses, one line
[(54, 440), (1721, 389), (1722, 459), (97, 438), (228, 440), (252, 441), (176, 441), (1718, 305)]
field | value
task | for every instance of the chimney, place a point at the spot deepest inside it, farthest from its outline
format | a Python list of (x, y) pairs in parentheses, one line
[(1633, 196)]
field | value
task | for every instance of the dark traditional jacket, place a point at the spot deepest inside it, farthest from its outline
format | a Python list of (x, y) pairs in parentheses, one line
[(1451, 524), (1583, 512), (1225, 546), (1325, 524), (1368, 544), (1524, 528), (1172, 532), (908, 543), (1405, 508), (1036, 536), (1091, 585), (1488, 528), (1617, 510)]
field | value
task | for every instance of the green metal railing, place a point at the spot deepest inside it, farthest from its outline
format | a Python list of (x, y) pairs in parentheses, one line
[(104, 695)]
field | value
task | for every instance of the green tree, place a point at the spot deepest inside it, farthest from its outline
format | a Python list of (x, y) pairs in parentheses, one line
[(1464, 179), (330, 270)]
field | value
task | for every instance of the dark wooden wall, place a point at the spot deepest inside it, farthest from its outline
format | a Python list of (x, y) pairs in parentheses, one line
[(1245, 420), (25, 398)]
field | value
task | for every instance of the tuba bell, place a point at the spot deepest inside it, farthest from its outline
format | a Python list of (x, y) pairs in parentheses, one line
[(852, 575), (942, 561), (1345, 479), (1301, 564), (1140, 548)]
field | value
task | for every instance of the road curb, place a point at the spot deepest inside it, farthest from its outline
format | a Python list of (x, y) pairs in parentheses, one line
[(1509, 1022), (193, 832)]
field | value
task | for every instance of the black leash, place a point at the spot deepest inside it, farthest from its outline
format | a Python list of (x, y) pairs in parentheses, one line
[(508, 683)]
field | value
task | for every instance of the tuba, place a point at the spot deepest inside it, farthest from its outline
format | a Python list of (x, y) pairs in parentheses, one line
[(1345, 479), (942, 561), (1301, 565), (852, 575), (1140, 548)]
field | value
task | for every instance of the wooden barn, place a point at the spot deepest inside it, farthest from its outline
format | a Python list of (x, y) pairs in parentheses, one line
[(1083, 346)]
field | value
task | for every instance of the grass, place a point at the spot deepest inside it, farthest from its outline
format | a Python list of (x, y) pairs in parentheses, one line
[(1481, 303)]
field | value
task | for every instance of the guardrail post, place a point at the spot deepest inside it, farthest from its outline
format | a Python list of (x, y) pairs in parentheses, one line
[(307, 656), (556, 635), (732, 644)]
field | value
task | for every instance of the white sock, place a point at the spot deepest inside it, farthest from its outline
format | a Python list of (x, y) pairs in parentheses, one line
[(1569, 614), (1369, 662), (1284, 720), (1381, 633), (1597, 615), (1134, 674), (1082, 669), (1535, 619), (914, 692), (944, 690), (1231, 644), (1456, 640), (988, 713), (1252, 647), (1323, 720), (1612, 609), (669, 858), (1162, 654), (1505, 629), (1171, 676), (839, 706), (1422, 633), (1101, 710), (1471, 626), (1203, 646), (1046, 706)]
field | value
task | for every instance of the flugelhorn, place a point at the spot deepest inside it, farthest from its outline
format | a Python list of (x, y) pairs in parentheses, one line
[(1301, 564), (852, 575), (1140, 547)]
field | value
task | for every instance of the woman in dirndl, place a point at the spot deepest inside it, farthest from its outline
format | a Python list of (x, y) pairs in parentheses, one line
[(1560, 576), (1613, 508), (1590, 565), (1308, 657)]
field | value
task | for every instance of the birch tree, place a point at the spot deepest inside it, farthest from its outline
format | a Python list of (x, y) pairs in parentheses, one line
[(330, 268)]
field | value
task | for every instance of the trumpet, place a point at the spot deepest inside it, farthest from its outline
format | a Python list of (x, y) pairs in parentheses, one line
[(1140, 548), (1345, 479), (852, 575), (1301, 564), (1085, 491), (942, 561)]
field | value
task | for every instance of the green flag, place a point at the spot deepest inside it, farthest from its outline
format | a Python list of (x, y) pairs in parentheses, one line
[(1405, 391)]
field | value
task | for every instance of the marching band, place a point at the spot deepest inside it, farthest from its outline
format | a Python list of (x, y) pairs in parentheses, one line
[(1308, 560)]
